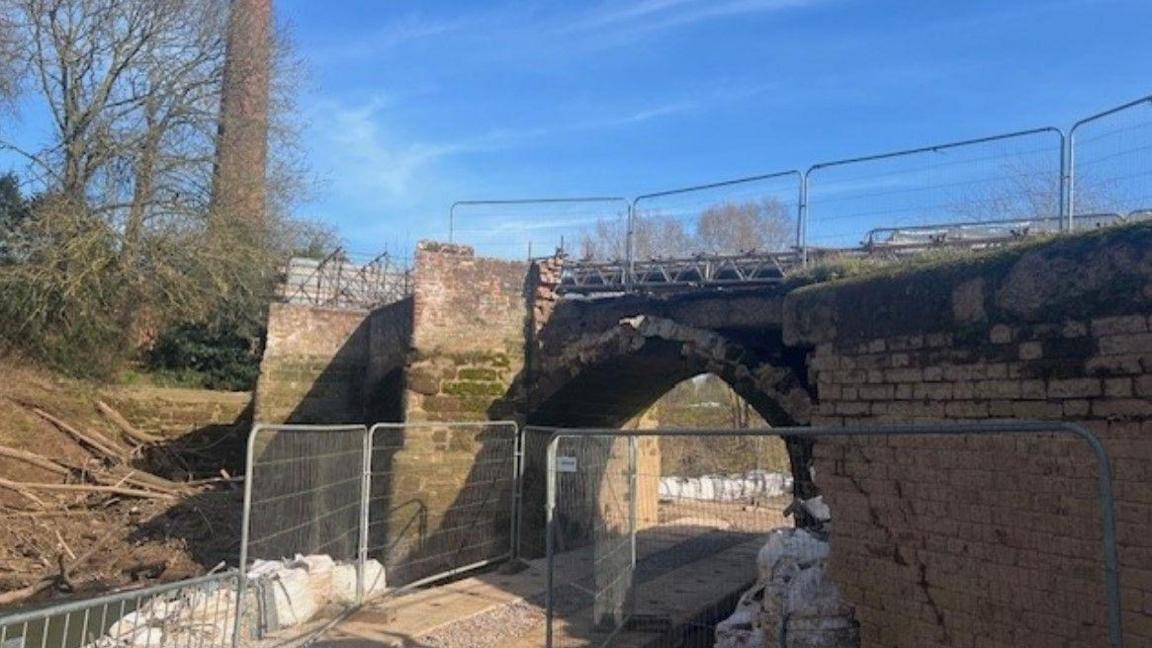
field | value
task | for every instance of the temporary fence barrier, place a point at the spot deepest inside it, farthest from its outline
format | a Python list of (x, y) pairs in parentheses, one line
[(1110, 161), (592, 228), (337, 514), (195, 612), (1039, 179), (442, 498), (1010, 176), (621, 549)]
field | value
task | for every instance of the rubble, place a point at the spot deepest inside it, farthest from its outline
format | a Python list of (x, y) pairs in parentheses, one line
[(794, 604)]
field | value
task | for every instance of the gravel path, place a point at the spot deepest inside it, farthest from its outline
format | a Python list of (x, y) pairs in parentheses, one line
[(489, 629)]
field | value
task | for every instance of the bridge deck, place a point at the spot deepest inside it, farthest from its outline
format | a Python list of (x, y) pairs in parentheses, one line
[(686, 571)]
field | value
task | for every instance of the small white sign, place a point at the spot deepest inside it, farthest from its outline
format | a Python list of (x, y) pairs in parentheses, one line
[(566, 464)]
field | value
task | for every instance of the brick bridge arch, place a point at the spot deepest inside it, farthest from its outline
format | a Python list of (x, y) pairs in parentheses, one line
[(606, 377)]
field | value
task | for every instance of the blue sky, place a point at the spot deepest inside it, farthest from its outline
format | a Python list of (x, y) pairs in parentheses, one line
[(411, 105)]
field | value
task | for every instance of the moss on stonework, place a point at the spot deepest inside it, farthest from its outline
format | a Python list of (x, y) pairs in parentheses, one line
[(916, 295), (473, 388), (478, 373), (960, 262)]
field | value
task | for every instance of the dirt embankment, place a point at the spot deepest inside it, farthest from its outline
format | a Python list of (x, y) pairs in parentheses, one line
[(107, 486)]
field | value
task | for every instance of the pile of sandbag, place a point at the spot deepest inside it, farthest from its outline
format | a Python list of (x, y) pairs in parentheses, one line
[(754, 484), (281, 594), (201, 617), (292, 592), (793, 604)]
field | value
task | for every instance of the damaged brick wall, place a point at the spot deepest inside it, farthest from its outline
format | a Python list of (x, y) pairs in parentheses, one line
[(469, 332), (979, 540)]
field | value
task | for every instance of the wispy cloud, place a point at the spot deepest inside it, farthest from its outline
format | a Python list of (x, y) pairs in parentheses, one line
[(363, 155), (365, 152), (407, 30), (606, 24), (650, 16)]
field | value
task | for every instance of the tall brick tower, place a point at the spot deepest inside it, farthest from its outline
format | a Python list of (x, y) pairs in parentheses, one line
[(238, 190)]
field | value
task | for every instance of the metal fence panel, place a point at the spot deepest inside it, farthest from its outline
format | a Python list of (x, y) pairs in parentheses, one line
[(1111, 164), (592, 228), (1015, 177), (304, 497), (753, 215), (341, 281), (596, 599), (442, 498), (190, 613)]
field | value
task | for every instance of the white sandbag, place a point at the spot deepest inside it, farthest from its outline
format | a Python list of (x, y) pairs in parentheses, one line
[(817, 508), (263, 569), (293, 597), (344, 582), (319, 568), (817, 616), (726, 488), (795, 546), (741, 629)]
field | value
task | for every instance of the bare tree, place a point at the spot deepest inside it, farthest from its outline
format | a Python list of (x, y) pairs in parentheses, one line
[(9, 56), (723, 228), (753, 226), (133, 88)]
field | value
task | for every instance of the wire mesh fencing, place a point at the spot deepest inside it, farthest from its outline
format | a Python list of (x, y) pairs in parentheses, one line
[(591, 228), (304, 523), (442, 498), (971, 194), (193, 613), (731, 218), (1111, 165), (643, 548), (987, 524), (345, 281), (1012, 179)]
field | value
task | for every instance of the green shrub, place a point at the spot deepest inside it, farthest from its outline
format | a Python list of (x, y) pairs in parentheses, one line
[(194, 355)]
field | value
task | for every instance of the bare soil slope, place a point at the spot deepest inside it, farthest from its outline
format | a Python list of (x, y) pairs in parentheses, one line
[(90, 501)]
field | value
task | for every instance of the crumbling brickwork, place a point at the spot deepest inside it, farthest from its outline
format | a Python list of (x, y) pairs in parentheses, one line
[(988, 541), (468, 342)]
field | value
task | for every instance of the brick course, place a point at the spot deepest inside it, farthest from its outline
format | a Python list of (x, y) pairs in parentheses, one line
[(988, 541)]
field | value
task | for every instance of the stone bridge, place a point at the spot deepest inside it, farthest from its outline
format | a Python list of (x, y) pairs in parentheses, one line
[(1057, 330)]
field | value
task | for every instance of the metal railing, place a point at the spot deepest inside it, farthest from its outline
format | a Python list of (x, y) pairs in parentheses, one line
[(195, 612), (338, 281), (1110, 160), (1010, 176), (417, 534), (304, 495), (334, 515), (376, 510), (608, 535), (594, 226), (1041, 177)]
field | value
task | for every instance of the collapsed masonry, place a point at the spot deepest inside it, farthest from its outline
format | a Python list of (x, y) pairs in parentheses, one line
[(794, 603)]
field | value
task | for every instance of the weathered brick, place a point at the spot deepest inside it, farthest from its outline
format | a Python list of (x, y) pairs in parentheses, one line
[(1121, 387), (877, 392), (1073, 328), (966, 409), (1037, 409), (1075, 388), (1143, 386), (1076, 408), (1121, 407), (910, 375), (1000, 334), (1031, 350), (1119, 325), (1122, 344)]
